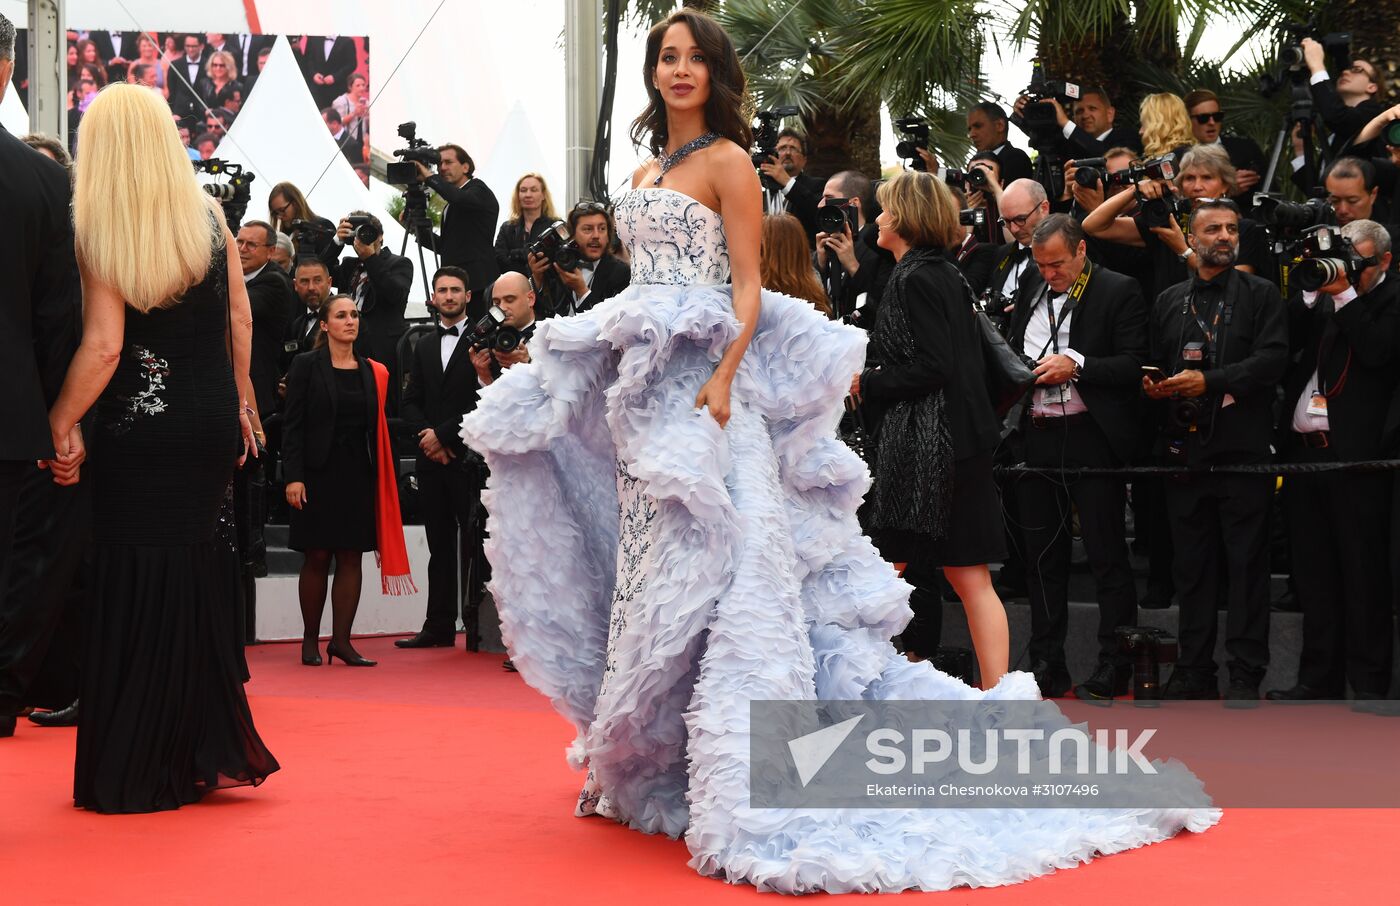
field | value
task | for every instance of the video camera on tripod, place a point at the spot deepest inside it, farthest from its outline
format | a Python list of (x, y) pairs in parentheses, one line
[(233, 195), (1042, 127), (403, 172), (1291, 70), (415, 198), (765, 140), (913, 135)]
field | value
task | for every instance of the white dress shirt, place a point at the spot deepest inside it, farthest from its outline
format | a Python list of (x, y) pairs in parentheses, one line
[(1063, 399), (1305, 422), (1013, 275), (449, 341)]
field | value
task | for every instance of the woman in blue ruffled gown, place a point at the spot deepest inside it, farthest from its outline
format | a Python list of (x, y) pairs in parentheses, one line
[(673, 536)]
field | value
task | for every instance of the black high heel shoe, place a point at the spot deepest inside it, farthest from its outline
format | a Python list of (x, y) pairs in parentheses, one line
[(311, 660), (351, 660)]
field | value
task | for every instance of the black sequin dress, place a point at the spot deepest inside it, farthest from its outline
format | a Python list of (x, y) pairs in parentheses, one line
[(165, 718)]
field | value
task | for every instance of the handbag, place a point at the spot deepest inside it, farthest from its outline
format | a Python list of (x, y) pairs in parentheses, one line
[(1009, 375)]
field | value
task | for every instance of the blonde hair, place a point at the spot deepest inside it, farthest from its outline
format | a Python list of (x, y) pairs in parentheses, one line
[(230, 67), (546, 207), (1165, 125), (785, 262), (141, 221), (922, 210)]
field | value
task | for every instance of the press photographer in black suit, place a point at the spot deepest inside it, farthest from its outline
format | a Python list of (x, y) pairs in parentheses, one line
[(468, 221), (1220, 341), (1091, 130), (273, 304), (797, 193), (599, 275), (1337, 393), (378, 281), (441, 387), (1014, 275), (987, 128), (1087, 330), (1347, 103), (852, 268), (40, 315)]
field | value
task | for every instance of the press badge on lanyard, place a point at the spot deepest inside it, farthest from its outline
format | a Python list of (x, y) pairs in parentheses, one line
[(1317, 405), (1057, 395)]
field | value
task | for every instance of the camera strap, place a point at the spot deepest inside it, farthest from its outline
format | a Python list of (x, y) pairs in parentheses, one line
[(1076, 292)]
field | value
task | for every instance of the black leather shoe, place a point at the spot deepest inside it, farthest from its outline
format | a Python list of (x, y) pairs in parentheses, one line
[(426, 640), (1010, 583), (1156, 599), (1106, 682), (64, 717), (1191, 687), (1053, 679), (1241, 692), (507, 666), (7, 726), (1302, 693), (351, 659)]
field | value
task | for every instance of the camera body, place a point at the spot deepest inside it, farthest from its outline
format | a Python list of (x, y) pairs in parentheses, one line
[(913, 135), (1164, 211), (404, 173), (365, 231), (492, 332), (765, 138), (1150, 648), (1391, 135), (835, 215), (971, 180), (1325, 255), (558, 246), (233, 196), (1290, 67), (1038, 116)]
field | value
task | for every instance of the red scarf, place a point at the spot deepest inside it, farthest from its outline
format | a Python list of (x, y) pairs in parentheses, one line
[(390, 551)]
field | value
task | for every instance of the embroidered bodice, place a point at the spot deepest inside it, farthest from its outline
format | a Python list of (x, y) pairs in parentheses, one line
[(672, 238)]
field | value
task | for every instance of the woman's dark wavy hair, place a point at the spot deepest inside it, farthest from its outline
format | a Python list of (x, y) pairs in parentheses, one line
[(726, 109)]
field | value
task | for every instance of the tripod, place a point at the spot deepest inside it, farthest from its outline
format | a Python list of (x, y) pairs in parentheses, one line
[(1299, 114), (416, 221)]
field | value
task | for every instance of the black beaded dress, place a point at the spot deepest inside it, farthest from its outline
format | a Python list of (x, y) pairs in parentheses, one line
[(165, 718)]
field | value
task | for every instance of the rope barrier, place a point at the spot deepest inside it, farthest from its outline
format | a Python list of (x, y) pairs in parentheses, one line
[(1298, 468)]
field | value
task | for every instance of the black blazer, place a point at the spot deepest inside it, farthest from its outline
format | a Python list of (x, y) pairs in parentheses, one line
[(802, 201), (437, 398), (299, 337), (1028, 285), (975, 260), (1109, 328), (948, 356), (385, 299), (1081, 144), (273, 303), (184, 99), (308, 432), (1015, 164), (339, 63), (127, 47), (513, 240), (1365, 343), (40, 297), (1345, 122), (1245, 155), (610, 276), (467, 224)]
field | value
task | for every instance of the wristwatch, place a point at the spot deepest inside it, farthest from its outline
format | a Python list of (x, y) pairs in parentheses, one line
[(1186, 254)]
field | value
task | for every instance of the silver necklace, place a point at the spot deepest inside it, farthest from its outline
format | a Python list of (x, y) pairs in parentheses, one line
[(669, 161)]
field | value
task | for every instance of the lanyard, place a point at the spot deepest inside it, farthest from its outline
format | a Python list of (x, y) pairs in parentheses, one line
[(1211, 332), (1076, 292)]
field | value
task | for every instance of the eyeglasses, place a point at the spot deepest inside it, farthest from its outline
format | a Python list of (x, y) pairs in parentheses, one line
[(591, 207), (86, 82), (218, 66), (1016, 221), (1203, 118), (1358, 69), (281, 212)]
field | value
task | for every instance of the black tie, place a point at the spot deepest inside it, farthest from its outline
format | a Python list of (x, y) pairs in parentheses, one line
[(444, 331)]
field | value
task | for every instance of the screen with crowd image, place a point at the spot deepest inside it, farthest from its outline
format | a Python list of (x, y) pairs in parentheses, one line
[(207, 78)]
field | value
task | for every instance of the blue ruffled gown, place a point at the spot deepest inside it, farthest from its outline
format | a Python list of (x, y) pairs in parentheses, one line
[(655, 573)]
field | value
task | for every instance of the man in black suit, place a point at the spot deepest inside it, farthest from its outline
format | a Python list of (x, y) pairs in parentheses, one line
[(442, 387), (853, 271), (599, 275), (987, 128), (1091, 131), (468, 222), (378, 281), (39, 322), (116, 50), (1087, 331), (1337, 393), (786, 189), (246, 49), (326, 64), (312, 284), (271, 300), (1014, 277), (349, 146), (1207, 119), (184, 74), (1347, 103), (1220, 342)]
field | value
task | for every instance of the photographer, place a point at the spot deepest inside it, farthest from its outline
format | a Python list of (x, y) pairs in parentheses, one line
[(853, 269), (1346, 104), (1346, 339), (1352, 190), (986, 129), (510, 293), (378, 281), (440, 389), (1205, 173), (974, 258), (598, 276), (1086, 330), (287, 205), (1014, 276), (1222, 338), (468, 221), (1091, 132), (531, 213), (797, 193)]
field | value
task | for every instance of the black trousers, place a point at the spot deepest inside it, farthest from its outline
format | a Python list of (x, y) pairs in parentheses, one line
[(449, 497), (48, 532), (1045, 502), (1220, 534), (924, 633), (1339, 528)]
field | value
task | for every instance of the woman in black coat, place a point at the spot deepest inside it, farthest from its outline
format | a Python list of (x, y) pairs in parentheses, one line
[(328, 459), (933, 503), (531, 214)]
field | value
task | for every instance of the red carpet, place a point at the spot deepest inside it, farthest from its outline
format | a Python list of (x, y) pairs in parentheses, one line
[(437, 777)]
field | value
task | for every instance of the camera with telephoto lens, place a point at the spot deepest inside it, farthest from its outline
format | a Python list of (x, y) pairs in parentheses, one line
[(1288, 220), (1092, 170), (1184, 412), (305, 234), (404, 173), (1150, 648), (1165, 211), (972, 180), (492, 332), (365, 230), (913, 135), (973, 217), (233, 196), (1326, 256), (835, 215), (765, 140)]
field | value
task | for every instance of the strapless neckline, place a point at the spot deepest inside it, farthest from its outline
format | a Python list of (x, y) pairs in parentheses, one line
[(682, 195)]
